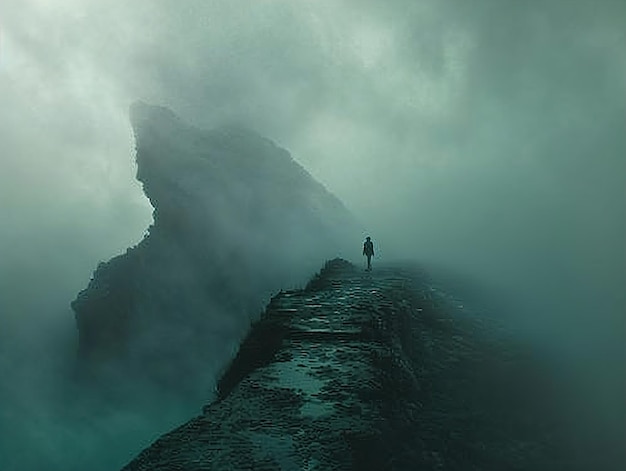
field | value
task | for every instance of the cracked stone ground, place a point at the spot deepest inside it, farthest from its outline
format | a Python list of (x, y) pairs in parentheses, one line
[(372, 371)]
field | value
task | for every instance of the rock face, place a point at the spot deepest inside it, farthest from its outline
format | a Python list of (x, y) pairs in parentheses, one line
[(235, 220), (370, 371)]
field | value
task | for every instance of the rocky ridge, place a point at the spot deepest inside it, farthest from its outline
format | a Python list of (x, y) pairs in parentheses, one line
[(371, 371)]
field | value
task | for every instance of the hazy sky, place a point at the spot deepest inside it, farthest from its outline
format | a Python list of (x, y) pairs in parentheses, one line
[(489, 135)]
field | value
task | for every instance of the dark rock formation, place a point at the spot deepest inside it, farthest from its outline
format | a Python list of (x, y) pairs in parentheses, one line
[(235, 219), (371, 371)]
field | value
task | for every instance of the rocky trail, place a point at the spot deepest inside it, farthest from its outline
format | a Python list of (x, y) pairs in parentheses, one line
[(370, 371)]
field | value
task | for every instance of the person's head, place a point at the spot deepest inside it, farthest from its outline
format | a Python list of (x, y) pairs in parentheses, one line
[(367, 238)]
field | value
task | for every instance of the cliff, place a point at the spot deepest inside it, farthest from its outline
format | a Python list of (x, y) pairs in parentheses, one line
[(235, 219), (373, 371)]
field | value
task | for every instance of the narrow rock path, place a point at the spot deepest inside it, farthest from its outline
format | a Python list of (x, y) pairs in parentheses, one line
[(364, 371)]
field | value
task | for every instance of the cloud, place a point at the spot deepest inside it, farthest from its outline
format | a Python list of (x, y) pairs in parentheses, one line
[(484, 135)]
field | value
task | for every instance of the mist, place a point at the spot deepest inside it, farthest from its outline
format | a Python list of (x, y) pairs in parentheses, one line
[(482, 138)]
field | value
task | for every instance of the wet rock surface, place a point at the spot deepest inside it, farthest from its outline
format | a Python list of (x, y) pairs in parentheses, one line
[(371, 371)]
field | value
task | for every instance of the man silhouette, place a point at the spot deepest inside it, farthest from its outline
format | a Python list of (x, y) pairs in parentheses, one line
[(368, 251)]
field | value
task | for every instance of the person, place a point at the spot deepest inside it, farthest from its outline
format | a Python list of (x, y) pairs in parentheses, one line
[(368, 251)]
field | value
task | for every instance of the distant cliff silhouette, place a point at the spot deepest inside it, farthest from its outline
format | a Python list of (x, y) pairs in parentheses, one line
[(235, 219)]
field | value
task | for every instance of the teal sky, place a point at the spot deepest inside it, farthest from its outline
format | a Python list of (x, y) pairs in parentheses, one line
[(485, 135)]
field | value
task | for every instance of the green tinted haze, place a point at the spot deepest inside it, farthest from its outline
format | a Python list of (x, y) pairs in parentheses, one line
[(487, 136)]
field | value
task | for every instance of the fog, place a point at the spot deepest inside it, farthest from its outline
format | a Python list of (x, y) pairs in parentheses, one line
[(486, 138)]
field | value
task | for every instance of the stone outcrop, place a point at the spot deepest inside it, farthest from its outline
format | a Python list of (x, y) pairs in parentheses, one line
[(235, 219), (370, 371)]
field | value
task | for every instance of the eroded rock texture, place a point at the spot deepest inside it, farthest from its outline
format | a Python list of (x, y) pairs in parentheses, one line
[(235, 219), (370, 371)]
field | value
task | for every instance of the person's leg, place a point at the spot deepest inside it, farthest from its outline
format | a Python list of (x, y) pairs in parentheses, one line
[(369, 262)]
